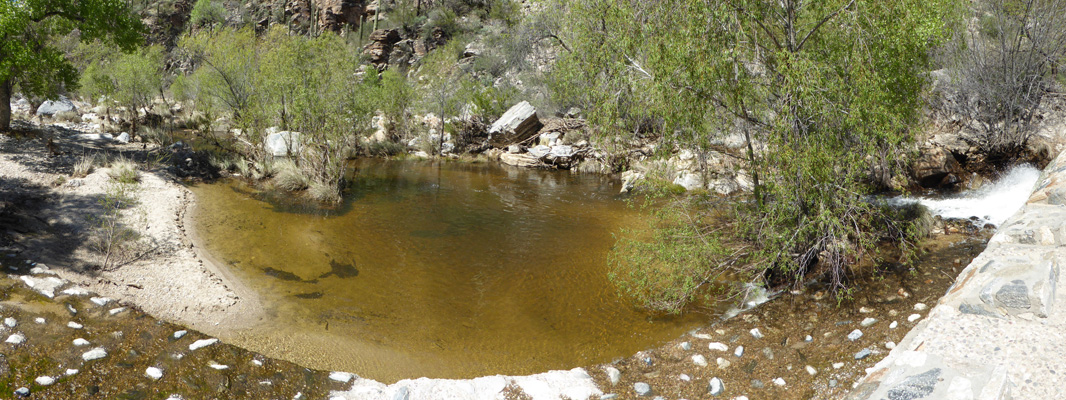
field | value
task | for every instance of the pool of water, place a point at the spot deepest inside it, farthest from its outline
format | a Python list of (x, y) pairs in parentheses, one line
[(450, 270)]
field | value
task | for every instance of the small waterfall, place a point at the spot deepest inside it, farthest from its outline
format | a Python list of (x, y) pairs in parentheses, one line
[(992, 203)]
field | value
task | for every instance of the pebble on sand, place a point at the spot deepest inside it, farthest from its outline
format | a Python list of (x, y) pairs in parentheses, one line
[(16, 338), (699, 360), (718, 346), (202, 343), (74, 325), (45, 380), (153, 372), (81, 342), (854, 335), (914, 317), (94, 354), (179, 334), (340, 376)]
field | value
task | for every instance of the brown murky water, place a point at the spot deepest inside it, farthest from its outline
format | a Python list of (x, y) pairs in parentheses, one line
[(442, 270)]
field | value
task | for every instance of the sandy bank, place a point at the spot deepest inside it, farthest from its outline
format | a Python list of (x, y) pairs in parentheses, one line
[(167, 275)]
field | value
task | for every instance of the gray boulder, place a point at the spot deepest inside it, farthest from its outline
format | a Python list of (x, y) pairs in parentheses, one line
[(282, 144), (53, 107), (517, 124)]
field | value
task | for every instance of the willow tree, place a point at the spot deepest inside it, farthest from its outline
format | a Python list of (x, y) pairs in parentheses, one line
[(27, 59), (819, 90)]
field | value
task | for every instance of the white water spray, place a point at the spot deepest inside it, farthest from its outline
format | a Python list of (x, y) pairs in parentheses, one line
[(992, 203)]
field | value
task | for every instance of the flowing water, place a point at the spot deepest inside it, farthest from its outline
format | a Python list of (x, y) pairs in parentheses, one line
[(992, 203), (441, 270)]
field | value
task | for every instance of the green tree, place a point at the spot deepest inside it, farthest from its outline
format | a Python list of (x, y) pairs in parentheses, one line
[(132, 80), (26, 56), (817, 88)]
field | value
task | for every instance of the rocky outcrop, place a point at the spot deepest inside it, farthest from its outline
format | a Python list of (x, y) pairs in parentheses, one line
[(936, 167), (380, 47), (516, 125), (331, 15)]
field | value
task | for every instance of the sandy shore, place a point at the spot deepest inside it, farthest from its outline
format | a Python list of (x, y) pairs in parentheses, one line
[(168, 277)]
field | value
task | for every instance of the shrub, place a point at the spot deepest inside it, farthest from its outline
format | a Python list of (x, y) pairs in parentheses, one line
[(160, 136), (290, 177), (385, 148), (125, 171), (68, 116), (325, 192), (84, 166)]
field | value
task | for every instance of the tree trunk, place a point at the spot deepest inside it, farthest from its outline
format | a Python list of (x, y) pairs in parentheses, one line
[(5, 108)]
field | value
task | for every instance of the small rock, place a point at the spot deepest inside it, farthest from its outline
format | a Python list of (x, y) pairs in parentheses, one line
[(739, 352), (766, 352), (808, 339), (202, 343), (722, 363), (715, 387), (686, 346), (684, 377), (75, 291), (153, 373), (833, 383), (914, 317), (920, 306), (868, 321), (862, 354), (10, 322), (339, 376), (217, 366), (179, 334), (81, 342), (94, 354), (893, 313), (74, 325), (71, 372), (893, 325), (72, 310), (755, 333), (45, 380), (100, 301), (741, 398), (838, 365), (703, 336), (865, 310), (609, 396), (16, 338), (642, 389), (717, 346), (23, 392), (699, 360), (39, 321), (757, 384), (811, 370), (114, 311), (257, 363), (890, 345), (779, 382), (613, 375), (854, 335)]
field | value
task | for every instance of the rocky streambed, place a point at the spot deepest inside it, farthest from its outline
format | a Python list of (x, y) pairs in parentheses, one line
[(61, 341), (801, 345)]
